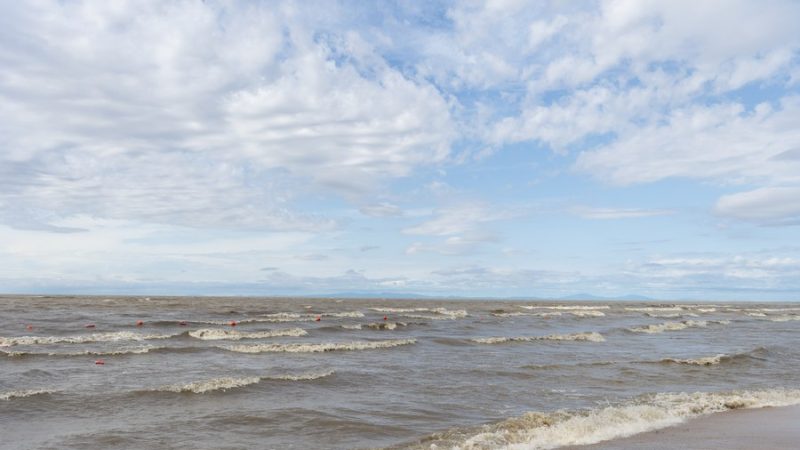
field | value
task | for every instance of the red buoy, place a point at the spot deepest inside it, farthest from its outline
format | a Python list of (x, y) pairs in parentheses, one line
[(318, 318), (139, 323), (89, 325), (100, 362), (182, 323), (29, 327), (233, 323), (385, 318)]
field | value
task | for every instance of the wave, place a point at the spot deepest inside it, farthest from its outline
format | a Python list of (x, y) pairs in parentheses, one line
[(227, 383), (566, 307), (25, 393), (587, 313), (590, 336), (216, 384), (542, 430), (208, 334), (318, 348), (300, 317), (386, 325), (120, 351), (784, 318), (669, 315), (676, 326), (81, 338), (356, 326), (516, 314), (399, 310), (655, 309), (704, 361)]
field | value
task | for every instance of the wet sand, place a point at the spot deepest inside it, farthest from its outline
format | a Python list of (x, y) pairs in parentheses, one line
[(762, 428)]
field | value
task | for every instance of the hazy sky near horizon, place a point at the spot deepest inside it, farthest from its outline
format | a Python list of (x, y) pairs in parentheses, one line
[(496, 148)]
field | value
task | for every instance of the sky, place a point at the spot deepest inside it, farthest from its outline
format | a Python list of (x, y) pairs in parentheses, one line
[(484, 149)]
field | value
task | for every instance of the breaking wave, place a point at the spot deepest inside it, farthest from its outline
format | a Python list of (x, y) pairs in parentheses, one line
[(655, 308), (676, 326), (587, 313), (24, 393), (705, 361), (214, 334), (670, 315), (399, 310), (784, 318), (320, 347), (544, 430), (567, 307), (538, 314), (119, 351), (386, 325), (226, 383), (591, 336), (81, 338)]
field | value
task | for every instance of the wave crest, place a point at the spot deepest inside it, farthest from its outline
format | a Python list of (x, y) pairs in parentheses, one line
[(213, 334), (25, 393), (561, 428), (676, 326), (589, 336), (318, 348), (81, 338)]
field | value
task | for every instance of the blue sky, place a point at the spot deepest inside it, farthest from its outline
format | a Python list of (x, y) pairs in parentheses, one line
[(498, 148)]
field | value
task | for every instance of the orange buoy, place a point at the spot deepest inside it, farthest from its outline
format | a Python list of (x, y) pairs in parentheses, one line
[(233, 323), (182, 323), (139, 323), (385, 318), (318, 318), (29, 327), (99, 362), (89, 325)]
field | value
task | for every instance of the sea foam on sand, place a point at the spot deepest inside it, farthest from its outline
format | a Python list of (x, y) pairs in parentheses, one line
[(539, 430)]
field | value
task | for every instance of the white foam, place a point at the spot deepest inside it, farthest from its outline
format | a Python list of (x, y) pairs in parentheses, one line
[(320, 347), (307, 376), (784, 318), (590, 336), (676, 326), (226, 383), (655, 309), (356, 326), (587, 313), (536, 430), (24, 393), (670, 315), (386, 325), (566, 307), (399, 310), (539, 314), (81, 338), (297, 317), (704, 361), (213, 334), (119, 351)]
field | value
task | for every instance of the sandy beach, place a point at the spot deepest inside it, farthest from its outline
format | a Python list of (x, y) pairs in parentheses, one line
[(762, 428)]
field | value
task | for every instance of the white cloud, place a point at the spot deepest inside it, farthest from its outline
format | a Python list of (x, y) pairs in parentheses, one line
[(722, 143), (587, 212), (200, 114), (453, 220), (770, 205)]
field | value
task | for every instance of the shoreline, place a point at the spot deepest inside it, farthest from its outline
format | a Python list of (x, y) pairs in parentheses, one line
[(765, 428)]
